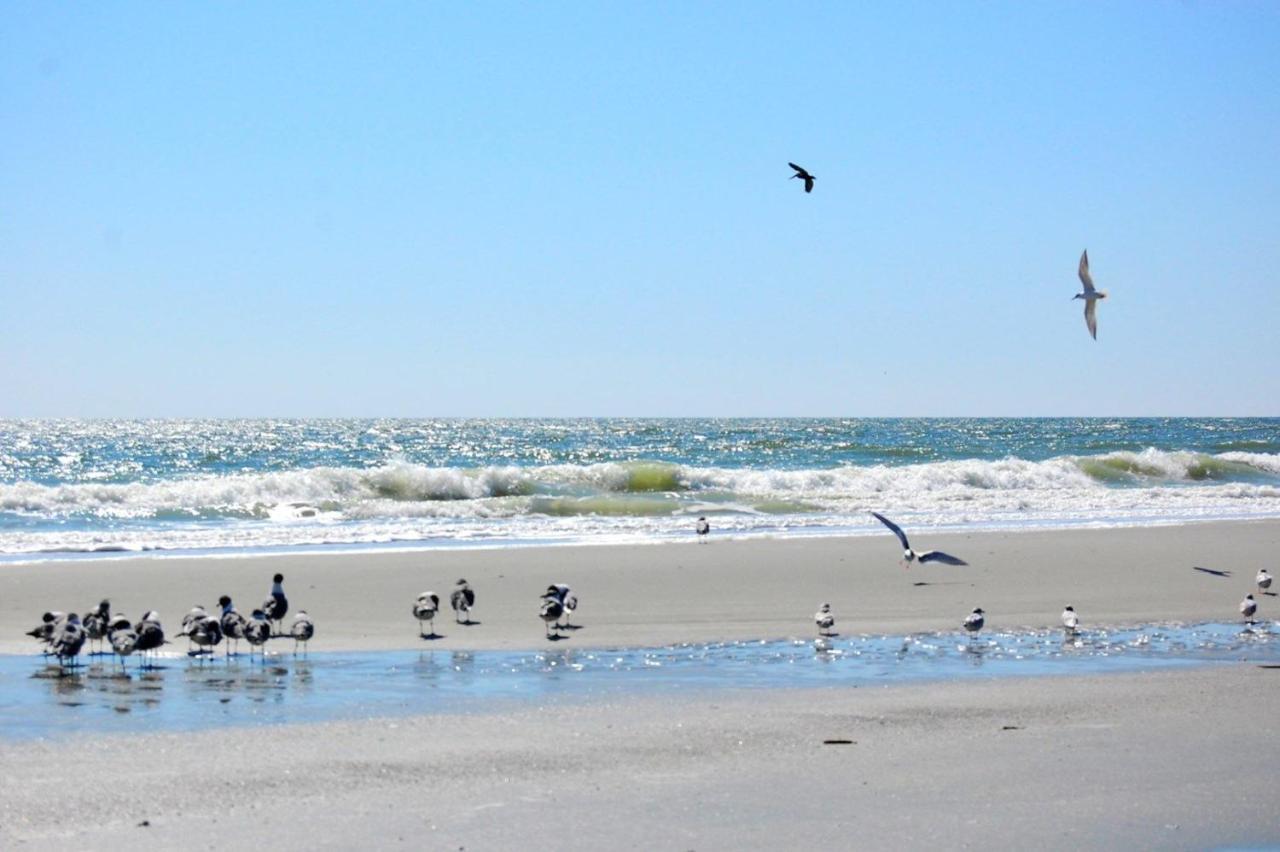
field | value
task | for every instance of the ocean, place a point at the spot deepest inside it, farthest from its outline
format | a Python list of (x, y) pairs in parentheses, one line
[(101, 487)]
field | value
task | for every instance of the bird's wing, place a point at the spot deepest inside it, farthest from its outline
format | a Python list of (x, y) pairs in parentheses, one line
[(808, 184), (801, 171), (939, 556), (897, 530), (1091, 317), (1085, 277)]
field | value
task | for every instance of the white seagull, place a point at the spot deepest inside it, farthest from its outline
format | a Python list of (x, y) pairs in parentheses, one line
[(1090, 296), (462, 599), (973, 621), (425, 609), (1070, 620), (1248, 607), (909, 555), (1263, 580), (302, 630), (824, 619)]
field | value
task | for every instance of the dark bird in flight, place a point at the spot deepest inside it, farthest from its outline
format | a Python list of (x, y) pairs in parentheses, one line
[(909, 555), (803, 175)]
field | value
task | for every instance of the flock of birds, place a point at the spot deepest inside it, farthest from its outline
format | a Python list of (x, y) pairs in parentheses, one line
[(1091, 295), (65, 635)]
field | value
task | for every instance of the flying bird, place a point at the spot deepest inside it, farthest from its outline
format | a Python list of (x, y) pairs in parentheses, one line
[(824, 619), (462, 599), (1070, 620), (973, 621), (1090, 296), (804, 176), (909, 555), (425, 609)]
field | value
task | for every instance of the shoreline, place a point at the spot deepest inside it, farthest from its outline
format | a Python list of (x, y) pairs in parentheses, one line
[(665, 593)]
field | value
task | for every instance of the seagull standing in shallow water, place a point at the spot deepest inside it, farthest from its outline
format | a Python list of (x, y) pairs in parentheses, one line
[(824, 619), (804, 176), (233, 623), (1090, 296), (909, 555), (1248, 607), (302, 630), (973, 621), (1070, 620)]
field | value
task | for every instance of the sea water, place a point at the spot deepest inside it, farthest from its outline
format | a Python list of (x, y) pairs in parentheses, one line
[(238, 486)]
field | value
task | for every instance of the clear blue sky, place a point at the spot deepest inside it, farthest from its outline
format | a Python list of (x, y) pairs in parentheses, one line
[(583, 208)]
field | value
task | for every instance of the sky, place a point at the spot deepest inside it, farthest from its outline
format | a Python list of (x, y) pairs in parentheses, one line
[(583, 209)]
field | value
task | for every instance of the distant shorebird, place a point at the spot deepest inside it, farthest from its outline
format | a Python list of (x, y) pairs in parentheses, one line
[(277, 605), (124, 640), (206, 632), (568, 601), (1248, 607), (1070, 620), (96, 621), (195, 615), (804, 176), (257, 631), (909, 555), (302, 630), (232, 623), (824, 619), (43, 632), (973, 621), (67, 640), (425, 609), (702, 527), (1090, 296), (462, 599), (1263, 580), (150, 635), (550, 612)]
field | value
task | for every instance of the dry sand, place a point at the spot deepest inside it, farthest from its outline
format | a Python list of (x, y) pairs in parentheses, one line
[(659, 594)]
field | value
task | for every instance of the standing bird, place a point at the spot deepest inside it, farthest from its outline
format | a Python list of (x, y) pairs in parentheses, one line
[(550, 612), (277, 605), (909, 555), (195, 615), (1090, 296), (206, 632), (1070, 620), (49, 623), (257, 631), (123, 639), (425, 609), (302, 630), (824, 619), (568, 600), (804, 176), (150, 635), (232, 623), (1263, 580), (67, 640), (973, 621), (702, 528), (462, 599), (1248, 607), (96, 622)]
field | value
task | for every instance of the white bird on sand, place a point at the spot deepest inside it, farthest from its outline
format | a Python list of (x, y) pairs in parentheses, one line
[(277, 605), (150, 634), (550, 612), (1248, 607), (232, 623), (702, 528), (973, 621), (1070, 620), (462, 599), (1090, 296), (824, 619), (67, 640), (568, 600), (257, 631), (302, 630), (1263, 580), (909, 555), (425, 609)]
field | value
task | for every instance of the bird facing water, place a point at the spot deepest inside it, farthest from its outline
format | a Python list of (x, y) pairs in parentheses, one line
[(824, 619), (909, 555), (804, 176), (1070, 620), (1090, 296), (277, 605)]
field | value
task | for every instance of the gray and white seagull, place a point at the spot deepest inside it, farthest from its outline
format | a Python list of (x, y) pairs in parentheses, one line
[(909, 555), (1090, 296)]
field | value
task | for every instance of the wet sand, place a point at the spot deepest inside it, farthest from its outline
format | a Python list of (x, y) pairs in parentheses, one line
[(646, 595)]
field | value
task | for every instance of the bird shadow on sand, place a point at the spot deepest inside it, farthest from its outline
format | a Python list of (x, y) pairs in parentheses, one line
[(1212, 571), (556, 637), (431, 637), (470, 623), (948, 583), (571, 627)]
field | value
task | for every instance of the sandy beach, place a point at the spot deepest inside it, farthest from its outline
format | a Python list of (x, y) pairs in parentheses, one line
[(646, 595)]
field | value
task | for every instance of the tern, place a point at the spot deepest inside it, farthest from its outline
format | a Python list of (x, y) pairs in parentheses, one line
[(462, 599), (909, 555), (425, 609), (824, 619), (550, 612), (1248, 607), (302, 630), (1090, 296), (277, 605), (804, 176), (1263, 580), (1070, 620), (973, 621)]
